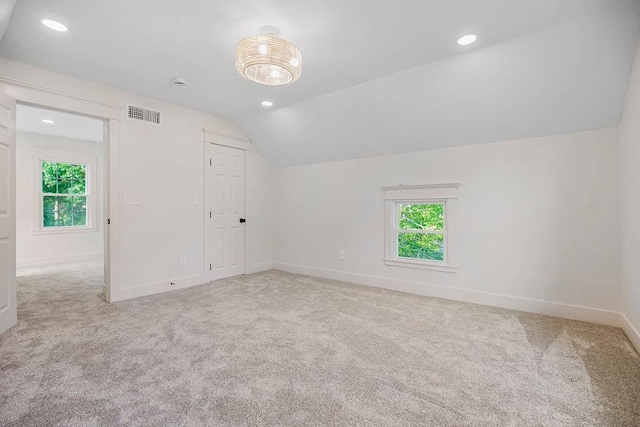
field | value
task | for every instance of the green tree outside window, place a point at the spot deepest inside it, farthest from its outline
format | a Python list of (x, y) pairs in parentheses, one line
[(64, 194), (421, 231)]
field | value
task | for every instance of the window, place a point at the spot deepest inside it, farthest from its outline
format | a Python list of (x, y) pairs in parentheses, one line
[(419, 224), (420, 228), (64, 191), (64, 195)]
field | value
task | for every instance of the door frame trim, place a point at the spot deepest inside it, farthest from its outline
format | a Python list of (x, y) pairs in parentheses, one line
[(223, 139), (41, 96)]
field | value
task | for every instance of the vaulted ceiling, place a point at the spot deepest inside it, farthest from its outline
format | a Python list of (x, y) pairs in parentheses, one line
[(379, 77)]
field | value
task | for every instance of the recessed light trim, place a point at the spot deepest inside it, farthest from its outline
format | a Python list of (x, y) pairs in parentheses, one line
[(54, 25), (467, 40), (48, 121), (267, 103)]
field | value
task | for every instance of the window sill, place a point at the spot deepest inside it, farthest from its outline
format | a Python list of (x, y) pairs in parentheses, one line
[(65, 230), (421, 265)]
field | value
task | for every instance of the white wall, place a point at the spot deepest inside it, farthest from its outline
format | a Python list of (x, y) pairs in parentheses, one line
[(165, 165), (538, 220), (630, 205), (41, 249)]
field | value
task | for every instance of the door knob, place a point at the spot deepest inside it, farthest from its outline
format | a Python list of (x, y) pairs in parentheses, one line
[(242, 220)]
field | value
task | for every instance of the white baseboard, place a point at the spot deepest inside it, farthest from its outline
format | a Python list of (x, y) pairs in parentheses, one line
[(38, 262), (180, 283), (631, 331), (257, 268), (567, 311), (156, 288)]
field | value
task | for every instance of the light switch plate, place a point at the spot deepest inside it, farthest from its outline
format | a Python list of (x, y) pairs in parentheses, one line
[(196, 200), (131, 198)]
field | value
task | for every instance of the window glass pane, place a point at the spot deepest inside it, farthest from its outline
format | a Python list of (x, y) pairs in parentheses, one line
[(50, 208), (79, 206), (49, 177), (65, 218), (421, 217), (64, 178), (64, 203), (421, 246), (78, 173), (79, 218), (65, 211), (49, 203), (79, 203), (49, 219)]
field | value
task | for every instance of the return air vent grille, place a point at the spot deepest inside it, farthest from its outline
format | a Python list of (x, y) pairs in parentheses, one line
[(143, 114)]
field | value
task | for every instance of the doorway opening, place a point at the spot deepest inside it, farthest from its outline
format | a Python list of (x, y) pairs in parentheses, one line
[(61, 189)]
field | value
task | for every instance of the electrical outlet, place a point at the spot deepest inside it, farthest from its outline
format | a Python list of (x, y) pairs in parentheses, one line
[(183, 259), (343, 255)]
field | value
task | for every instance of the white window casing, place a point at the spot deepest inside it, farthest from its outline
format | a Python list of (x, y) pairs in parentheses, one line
[(90, 161), (445, 194)]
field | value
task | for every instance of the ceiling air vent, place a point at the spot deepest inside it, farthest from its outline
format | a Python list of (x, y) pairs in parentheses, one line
[(143, 114)]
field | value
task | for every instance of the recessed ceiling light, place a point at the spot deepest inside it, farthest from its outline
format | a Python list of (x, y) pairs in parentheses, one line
[(54, 25), (267, 104), (48, 121), (468, 39)]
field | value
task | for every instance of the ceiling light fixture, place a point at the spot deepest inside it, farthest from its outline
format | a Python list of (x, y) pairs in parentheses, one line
[(267, 104), (54, 25), (48, 121), (468, 39), (267, 59)]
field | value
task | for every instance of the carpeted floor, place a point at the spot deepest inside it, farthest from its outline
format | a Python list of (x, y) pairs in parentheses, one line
[(281, 349)]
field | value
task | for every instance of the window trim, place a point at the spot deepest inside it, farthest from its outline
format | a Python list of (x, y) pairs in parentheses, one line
[(445, 194), (90, 161)]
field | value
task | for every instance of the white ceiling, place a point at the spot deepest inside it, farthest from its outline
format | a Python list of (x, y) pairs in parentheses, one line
[(6, 9), (379, 77), (29, 119), (566, 78), (140, 46)]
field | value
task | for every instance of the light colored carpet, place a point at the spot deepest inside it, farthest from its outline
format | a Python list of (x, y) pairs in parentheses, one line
[(282, 349)]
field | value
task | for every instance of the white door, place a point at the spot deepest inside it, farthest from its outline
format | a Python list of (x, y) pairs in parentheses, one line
[(225, 203), (8, 311)]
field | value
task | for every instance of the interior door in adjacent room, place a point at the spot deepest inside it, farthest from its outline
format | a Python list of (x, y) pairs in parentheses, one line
[(8, 311), (225, 208)]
